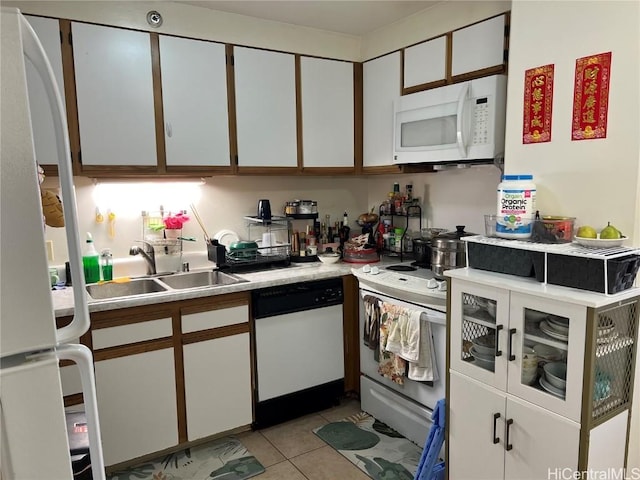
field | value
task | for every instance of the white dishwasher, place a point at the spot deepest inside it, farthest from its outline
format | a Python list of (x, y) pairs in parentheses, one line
[(299, 349)]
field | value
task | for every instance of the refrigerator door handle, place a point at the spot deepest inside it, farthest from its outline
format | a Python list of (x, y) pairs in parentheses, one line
[(82, 357), (34, 51)]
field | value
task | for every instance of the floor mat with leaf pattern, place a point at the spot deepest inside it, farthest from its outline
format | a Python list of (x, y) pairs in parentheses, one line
[(378, 450), (223, 459)]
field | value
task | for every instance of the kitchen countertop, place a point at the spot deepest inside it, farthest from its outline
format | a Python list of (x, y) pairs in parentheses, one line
[(298, 272)]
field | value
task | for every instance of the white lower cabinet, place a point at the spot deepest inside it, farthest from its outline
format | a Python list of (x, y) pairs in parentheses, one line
[(217, 384), (493, 435), (217, 367), (540, 378), (137, 404)]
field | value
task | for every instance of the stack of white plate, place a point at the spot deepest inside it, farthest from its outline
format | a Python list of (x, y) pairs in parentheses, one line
[(483, 351), (554, 378), (606, 330), (556, 327)]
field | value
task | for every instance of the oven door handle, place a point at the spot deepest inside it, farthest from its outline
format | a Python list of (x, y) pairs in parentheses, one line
[(433, 316)]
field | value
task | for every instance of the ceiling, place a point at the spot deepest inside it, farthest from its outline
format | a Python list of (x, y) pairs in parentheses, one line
[(352, 17)]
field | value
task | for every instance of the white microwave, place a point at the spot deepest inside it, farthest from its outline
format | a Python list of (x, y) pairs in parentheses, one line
[(457, 123)]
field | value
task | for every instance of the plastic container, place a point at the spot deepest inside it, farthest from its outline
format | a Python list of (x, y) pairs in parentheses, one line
[(91, 261), (560, 227), (516, 206)]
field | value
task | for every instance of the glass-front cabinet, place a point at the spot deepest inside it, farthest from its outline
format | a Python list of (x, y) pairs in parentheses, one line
[(529, 346)]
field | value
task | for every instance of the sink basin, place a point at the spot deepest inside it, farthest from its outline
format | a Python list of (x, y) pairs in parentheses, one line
[(199, 279), (100, 291)]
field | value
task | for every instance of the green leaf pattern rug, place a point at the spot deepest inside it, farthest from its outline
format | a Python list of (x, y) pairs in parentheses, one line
[(378, 450), (223, 459)]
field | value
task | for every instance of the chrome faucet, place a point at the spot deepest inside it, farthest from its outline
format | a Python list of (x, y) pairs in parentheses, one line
[(147, 253)]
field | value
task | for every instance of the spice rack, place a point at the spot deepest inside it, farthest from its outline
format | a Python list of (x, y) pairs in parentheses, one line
[(410, 211)]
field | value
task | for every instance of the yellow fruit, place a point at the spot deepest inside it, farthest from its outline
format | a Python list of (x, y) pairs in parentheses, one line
[(610, 232), (587, 231)]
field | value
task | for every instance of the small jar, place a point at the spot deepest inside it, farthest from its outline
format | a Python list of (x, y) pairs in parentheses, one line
[(305, 207)]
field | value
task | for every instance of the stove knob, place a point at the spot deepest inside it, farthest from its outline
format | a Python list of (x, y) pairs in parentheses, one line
[(375, 270), (366, 268), (432, 283)]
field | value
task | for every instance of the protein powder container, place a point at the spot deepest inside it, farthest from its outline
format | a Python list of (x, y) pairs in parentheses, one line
[(516, 206)]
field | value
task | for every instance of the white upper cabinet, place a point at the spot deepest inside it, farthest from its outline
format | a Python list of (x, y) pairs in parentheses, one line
[(381, 86), (194, 97), (114, 87), (425, 62), (478, 46), (265, 87), (327, 113), (48, 31)]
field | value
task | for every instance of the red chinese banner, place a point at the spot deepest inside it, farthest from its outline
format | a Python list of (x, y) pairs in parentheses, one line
[(591, 97), (538, 103)]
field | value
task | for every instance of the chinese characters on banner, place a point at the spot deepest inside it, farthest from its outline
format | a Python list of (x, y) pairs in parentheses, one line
[(538, 102), (591, 97)]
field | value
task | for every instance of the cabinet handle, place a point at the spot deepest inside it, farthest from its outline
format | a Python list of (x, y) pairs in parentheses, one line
[(508, 446), (496, 439), (496, 352), (512, 332), (169, 129)]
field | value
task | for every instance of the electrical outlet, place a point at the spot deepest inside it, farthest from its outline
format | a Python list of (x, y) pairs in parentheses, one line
[(49, 244)]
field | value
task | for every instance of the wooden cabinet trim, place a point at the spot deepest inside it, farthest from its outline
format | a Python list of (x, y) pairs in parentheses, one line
[(132, 349), (214, 303), (161, 151), (71, 100), (203, 335), (116, 318), (231, 109)]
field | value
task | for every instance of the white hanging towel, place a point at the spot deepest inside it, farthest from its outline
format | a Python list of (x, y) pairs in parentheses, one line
[(410, 338)]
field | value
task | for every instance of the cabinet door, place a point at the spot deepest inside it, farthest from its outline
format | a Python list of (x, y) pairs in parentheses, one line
[(194, 98), (425, 62), (327, 113), (476, 430), (478, 46), (265, 108), (137, 404), (217, 382), (44, 138), (541, 443), (381, 86), (479, 325), (114, 89), (552, 333)]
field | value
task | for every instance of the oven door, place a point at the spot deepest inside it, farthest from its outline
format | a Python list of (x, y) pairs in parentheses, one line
[(420, 392)]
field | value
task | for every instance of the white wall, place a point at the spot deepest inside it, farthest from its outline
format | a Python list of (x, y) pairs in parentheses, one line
[(441, 18), (222, 202), (594, 180), (448, 198), (204, 23)]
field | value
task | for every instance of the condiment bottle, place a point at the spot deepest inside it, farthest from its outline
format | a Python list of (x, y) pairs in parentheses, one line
[(91, 261), (106, 264)]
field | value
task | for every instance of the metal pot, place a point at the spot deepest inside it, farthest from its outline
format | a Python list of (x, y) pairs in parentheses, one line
[(448, 251), (422, 252)]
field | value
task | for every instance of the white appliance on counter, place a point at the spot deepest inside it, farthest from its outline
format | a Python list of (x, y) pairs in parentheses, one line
[(463, 122), (34, 441), (406, 408)]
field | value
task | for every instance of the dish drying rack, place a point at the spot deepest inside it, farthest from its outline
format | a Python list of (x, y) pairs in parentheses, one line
[(166, 243), (261, 258)]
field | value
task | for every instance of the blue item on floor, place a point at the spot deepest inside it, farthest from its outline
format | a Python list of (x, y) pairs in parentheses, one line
[(427, 468)]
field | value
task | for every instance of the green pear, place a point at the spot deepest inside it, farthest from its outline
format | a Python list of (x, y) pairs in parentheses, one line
[(610, 232), (587, 231)]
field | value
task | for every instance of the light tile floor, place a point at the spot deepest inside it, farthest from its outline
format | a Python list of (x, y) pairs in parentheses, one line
[(291, 451)]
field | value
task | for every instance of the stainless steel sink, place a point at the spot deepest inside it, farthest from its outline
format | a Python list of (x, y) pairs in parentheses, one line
[(199, 279), (100, 291)]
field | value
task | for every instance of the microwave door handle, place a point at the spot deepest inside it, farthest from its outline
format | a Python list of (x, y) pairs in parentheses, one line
[(460, 133), (34, 51)]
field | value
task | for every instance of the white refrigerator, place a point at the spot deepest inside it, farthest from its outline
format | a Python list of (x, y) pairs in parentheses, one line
[(33, 439)]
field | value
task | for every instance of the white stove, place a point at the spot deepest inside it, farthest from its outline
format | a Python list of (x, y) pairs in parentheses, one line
[(416, 286)]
